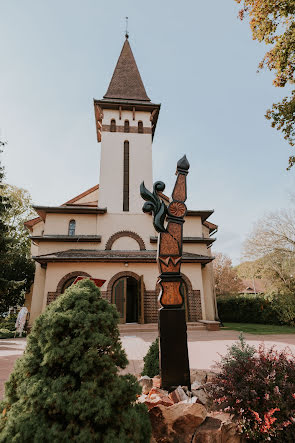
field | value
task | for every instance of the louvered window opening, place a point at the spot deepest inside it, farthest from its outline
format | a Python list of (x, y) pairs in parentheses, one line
[(113, 126), (126, 126), (140, 127), (126, 177)]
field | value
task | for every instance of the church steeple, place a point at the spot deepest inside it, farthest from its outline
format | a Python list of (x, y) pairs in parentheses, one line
[(126, 82)]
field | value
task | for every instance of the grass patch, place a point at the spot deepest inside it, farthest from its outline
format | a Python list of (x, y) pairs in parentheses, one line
[(256, 328)]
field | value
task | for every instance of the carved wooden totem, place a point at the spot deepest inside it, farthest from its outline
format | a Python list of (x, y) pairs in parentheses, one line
[(174, 363)]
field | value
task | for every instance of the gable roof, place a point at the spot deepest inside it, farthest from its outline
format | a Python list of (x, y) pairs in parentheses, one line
[(30, 223), (84, 194), (126, 82)]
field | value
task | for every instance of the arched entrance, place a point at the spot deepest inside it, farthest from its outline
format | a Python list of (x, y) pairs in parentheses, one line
[(128, 298), (185, 306)]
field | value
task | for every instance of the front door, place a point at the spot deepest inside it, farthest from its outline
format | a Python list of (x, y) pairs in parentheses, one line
[(128, 299), (119, 298)]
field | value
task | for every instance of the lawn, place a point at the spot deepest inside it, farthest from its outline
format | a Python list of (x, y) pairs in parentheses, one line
[(255, 328)]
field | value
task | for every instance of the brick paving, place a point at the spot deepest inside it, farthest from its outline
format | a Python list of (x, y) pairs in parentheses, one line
[(204, 348)]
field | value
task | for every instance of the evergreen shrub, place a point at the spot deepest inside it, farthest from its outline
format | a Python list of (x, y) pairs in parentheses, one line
[(258, 389), (151, 360), (67, 386), (6, 333), (274, 309), (8, 322)]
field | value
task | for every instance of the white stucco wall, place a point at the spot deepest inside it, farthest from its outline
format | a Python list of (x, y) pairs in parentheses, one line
[(111, 162)]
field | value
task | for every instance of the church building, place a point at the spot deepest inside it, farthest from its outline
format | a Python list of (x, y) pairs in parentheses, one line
[(103, 233)]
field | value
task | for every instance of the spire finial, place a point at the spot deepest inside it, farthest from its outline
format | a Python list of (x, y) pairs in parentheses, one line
[(126, 32)]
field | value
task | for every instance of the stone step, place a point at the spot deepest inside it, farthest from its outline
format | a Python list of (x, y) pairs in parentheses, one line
[(153, 327)]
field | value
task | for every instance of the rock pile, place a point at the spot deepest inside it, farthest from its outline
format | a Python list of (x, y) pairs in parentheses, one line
[(182, 415)]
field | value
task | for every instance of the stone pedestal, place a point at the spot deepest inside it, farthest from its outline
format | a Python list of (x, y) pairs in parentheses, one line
[(174, 363)]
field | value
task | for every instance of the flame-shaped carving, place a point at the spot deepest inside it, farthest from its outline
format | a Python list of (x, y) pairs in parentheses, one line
[(154, 204)]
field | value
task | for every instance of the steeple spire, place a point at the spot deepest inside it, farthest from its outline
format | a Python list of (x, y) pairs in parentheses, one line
[(126, 83)]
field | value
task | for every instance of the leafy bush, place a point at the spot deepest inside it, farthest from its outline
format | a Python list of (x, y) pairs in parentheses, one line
[(151, 360), (284, 307), (67, 386), (259, 390), (6, 333), (8, 322), (275, 309)]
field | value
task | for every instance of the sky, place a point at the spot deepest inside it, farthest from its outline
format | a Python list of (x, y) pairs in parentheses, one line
[(196, 58)]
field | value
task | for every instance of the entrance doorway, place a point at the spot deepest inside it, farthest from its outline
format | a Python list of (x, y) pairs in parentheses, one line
[(127, 295), (184, 293)]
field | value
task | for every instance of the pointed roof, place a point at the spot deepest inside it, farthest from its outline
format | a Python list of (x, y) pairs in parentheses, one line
[(126, 82)]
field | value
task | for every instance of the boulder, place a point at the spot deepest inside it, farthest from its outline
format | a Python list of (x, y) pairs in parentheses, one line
[(178, 395), (157, 381), (208, 432), (176, 423), (156, 397), (146, 383), (202, 396), (196, 385), (217, 429)]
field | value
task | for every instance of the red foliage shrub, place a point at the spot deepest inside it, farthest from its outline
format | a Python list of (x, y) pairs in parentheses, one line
[(258, 389)]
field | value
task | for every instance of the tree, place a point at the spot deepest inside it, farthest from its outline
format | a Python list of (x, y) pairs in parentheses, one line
[(272, 245), (67, 385), (226, 278), (273, 22), (19, 211), (16, 266)]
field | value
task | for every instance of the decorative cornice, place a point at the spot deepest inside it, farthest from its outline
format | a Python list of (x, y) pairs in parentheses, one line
[(89, 255), (204, 240), (75, 209), (204, 214), (132, 129), (66, 238)]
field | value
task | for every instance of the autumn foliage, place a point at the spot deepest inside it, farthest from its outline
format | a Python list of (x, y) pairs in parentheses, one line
[(226, 278), (258, 388), (273, 22)]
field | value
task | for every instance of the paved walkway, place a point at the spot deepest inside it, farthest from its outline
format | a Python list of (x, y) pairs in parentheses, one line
[(205, 348)]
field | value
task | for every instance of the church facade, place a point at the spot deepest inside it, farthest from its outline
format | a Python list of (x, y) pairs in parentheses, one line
[(103, 233)]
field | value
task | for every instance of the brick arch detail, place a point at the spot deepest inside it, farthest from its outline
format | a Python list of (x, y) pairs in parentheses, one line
[(68, 276), (51, 296), (120, 234)]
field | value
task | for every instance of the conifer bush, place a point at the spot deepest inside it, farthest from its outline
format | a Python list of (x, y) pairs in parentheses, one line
[(258, 389), (67, 386), (151, 360)]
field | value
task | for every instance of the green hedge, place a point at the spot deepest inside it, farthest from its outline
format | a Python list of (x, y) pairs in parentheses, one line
[(275, 309), (5, 333)]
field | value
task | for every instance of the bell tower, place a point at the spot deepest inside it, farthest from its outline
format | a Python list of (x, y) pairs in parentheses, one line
[(125, 123)]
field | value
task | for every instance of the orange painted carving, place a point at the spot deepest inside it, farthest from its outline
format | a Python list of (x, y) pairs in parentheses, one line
[(170, 294)]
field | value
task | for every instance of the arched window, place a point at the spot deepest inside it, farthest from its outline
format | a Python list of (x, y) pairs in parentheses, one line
[(140, 127), (126, 126), (113, 125), (72, 227)]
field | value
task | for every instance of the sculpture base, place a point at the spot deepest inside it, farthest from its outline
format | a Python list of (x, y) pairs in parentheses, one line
[(174, 363)]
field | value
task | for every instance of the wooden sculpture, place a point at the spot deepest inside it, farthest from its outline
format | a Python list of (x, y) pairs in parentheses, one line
[(174, 363)]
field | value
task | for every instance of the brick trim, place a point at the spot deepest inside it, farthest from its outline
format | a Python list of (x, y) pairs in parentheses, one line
[(120, 234), (68, 277), (51, 296), (132, 129)]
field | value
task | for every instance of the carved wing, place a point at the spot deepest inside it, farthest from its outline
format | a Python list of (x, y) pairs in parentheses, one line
[(154, 204)]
